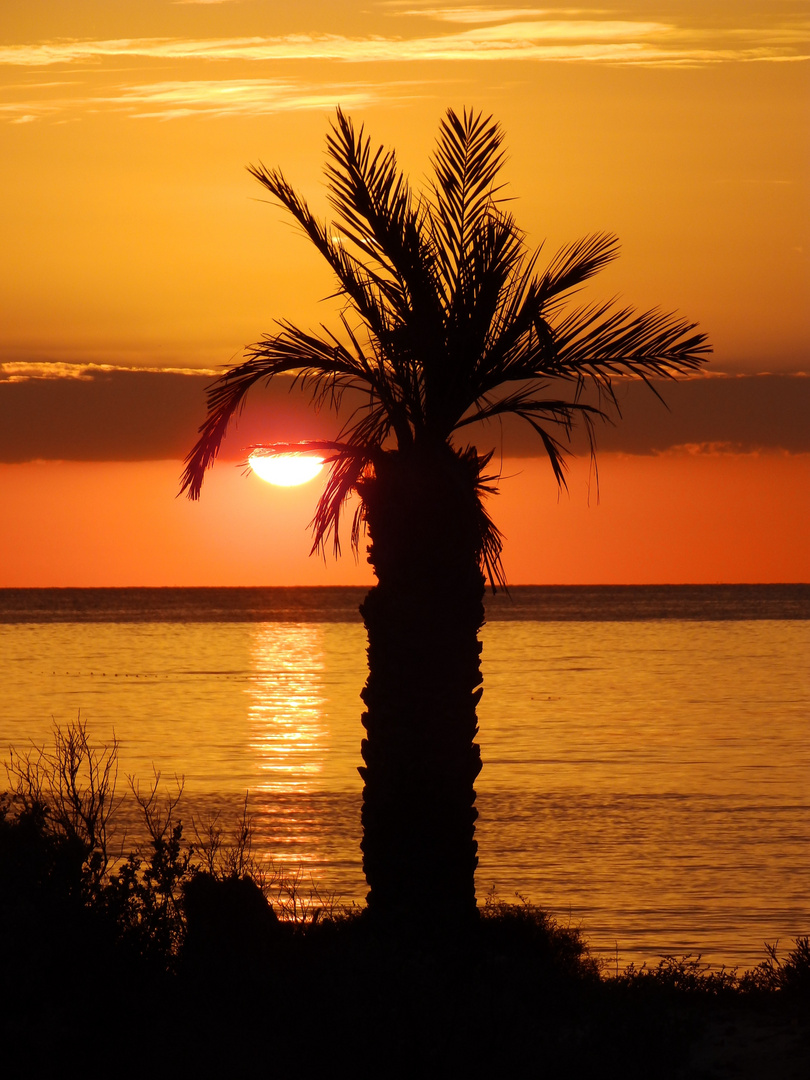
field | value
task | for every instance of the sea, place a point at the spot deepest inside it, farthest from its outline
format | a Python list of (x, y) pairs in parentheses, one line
[(646, 749)]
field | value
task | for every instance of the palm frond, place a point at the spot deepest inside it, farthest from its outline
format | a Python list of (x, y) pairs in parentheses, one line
[(454, 382), (373, 199), (379, 214), (315, 363), (575, 263), (523, 342), (538, 413), (376, 298), (602, 341), (490, 538), (347, 469), (518, 329), (523, 402), (495, 257), (466, 164)]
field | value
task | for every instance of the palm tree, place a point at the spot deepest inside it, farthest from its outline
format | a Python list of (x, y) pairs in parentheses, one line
[(448, 322)]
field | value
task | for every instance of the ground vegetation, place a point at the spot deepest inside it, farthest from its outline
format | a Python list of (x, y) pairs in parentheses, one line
[(194, 954)]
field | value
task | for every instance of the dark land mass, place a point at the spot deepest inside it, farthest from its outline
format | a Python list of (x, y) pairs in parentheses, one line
[(338, 1000), (182, 963)]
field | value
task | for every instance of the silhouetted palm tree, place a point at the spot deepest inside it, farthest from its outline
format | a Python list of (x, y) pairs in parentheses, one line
[(448, 322)]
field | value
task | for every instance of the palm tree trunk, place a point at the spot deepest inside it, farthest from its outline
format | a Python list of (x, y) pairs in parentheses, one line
[(422, 619)]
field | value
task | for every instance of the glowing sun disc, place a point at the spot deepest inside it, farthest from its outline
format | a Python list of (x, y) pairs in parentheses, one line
[(285, 470)]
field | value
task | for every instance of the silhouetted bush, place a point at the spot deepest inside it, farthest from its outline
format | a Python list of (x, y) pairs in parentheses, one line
[(790, 975), (230, 927), (525, 930), (72, 786), (679, 975)]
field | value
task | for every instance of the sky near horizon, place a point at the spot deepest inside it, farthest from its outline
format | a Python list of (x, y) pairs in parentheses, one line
[(140, 257)]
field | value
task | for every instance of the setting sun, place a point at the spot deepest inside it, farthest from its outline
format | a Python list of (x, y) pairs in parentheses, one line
[(285, 470)]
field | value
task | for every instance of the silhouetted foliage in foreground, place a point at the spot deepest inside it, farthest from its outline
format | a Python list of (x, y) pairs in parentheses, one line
[(201, 958)]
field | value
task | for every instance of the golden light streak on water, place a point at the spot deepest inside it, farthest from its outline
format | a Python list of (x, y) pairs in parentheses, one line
[(288, 733)]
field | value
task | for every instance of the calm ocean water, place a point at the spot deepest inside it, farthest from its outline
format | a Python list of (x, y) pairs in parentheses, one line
[(646, 750)]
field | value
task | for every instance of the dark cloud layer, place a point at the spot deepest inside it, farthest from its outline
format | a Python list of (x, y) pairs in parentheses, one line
[(752, 412), (126, 415), (129, 415)]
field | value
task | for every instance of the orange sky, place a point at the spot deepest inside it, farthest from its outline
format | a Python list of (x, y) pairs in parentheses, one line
[(134, 238), (673, 518)]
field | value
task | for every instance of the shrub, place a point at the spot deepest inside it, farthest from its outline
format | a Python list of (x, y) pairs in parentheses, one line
[(525, 928), (791, 975), (70, 791), (143, 896), (685, 974)]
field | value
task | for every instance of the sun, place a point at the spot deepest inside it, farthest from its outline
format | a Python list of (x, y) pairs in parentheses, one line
[(285, 470)]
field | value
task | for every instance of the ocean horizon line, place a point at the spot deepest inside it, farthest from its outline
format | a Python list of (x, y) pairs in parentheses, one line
[(340, 603)]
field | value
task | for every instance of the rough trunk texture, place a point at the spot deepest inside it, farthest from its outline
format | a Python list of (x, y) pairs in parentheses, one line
[(423, 619)]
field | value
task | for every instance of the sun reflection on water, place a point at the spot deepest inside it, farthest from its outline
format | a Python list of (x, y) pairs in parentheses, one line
[(286, 709)]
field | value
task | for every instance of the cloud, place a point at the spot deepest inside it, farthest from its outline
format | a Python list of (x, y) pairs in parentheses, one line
[(92, 412), (27, 371), (718, 414), (213, 98), (512, 33), (98, 412), (527, 32), (228, 97), (456, 34), (495, 14), (572, 41)]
